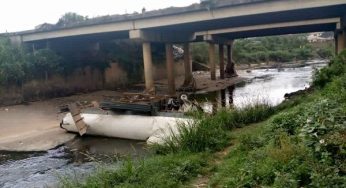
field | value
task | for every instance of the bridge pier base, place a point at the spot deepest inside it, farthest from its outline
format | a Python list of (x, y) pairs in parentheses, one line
[(222, 61), (148, 68), (170, 69), (340, 41), (230, 70), (212, 61)]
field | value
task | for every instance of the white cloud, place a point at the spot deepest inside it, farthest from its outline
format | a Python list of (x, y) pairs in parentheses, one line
[(17, 15)]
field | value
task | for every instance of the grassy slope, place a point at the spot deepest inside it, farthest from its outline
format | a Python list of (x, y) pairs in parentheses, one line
[(303, 145)]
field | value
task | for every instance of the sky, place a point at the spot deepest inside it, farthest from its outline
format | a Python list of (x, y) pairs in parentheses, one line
[(19, 15)]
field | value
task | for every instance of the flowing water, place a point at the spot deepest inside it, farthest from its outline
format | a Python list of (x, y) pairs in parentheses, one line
[(262, 86), (79, 157)]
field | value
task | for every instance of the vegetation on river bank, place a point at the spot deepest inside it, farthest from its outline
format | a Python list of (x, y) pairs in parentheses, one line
[(279, 49), (301, 145)]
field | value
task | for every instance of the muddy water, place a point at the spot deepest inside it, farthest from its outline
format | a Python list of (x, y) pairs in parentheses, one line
[(79, 157), (76, 160), (262, 86)]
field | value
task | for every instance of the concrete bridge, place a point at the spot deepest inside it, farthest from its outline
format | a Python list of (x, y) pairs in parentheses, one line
[(217, 23)]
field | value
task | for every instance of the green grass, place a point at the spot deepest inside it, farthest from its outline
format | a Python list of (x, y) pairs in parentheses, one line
[(158, 171), (210, 133), (303, 146)]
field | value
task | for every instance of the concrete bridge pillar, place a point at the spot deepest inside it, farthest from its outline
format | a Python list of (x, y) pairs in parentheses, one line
[(212, 60), (230, 71), (340, 41), (222, 61), (148, 68), (170, 69), (187, 65)]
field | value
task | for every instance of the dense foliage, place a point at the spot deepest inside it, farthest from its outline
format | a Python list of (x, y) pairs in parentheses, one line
[(275, 48), (12, 63), (70, 18), (17, 65), (285, 48)]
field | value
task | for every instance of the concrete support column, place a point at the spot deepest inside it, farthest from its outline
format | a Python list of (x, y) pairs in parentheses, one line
[(222, 61), (187, 65), (212, 61), (229, 55), (340, 41), (170, 69), (148, 68), (230, 71)]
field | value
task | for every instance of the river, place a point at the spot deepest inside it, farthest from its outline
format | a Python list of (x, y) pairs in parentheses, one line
[(80, 157)]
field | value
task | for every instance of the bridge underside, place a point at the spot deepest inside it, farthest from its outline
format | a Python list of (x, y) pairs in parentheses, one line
[(220, 31), (257, 19)]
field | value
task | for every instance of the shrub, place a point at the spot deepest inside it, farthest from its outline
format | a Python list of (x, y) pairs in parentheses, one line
[(250, 142), (335, 69), (287, 122), (12, 62)]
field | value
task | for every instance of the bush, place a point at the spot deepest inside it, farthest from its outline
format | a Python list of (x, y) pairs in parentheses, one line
[(335, 69), (12, 63), (287, 122), (325, 53)]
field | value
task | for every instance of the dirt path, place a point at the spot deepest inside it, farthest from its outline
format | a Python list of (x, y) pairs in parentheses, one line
[(203, 181)]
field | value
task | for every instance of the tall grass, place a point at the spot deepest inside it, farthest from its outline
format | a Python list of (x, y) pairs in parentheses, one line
[(211, 133), (158, 171)]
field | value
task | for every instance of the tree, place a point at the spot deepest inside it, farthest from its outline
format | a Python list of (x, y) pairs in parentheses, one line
[(70, 18), (43, 63), (12, 60)]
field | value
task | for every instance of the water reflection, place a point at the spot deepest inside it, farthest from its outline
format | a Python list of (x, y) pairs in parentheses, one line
[(78, 158), (262, 86), (90, 148), (212, 101)]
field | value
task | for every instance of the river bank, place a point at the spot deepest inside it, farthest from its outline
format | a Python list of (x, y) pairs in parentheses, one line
[(35, 126), (261, 84), (300, 144)]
